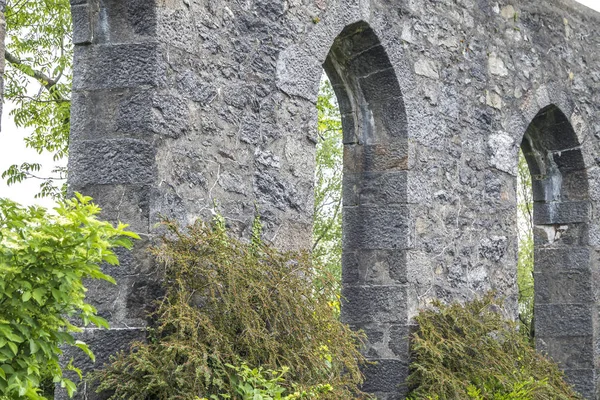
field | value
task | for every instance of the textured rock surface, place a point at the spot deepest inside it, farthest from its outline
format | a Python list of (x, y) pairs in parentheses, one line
[(178, 104)]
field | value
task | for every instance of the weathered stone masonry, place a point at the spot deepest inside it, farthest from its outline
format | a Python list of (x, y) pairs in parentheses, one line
[(180, 103)]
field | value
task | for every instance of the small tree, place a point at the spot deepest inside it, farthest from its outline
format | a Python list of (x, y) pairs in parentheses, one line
[(43, 259)]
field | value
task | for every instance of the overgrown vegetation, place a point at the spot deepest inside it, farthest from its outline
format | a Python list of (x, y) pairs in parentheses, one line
[(233, 303), (43, 260), (473, 352)]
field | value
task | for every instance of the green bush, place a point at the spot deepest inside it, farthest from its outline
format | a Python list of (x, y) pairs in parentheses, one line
[(237, 303), (255, 384), (471, 352), (43, 259)]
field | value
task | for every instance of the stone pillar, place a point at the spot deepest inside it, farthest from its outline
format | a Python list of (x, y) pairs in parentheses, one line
[(111, 156)]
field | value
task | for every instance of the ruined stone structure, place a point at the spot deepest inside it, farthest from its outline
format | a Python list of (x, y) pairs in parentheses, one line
[(181, 103)]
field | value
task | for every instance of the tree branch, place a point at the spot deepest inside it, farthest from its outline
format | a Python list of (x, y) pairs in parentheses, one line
[(47, 82)]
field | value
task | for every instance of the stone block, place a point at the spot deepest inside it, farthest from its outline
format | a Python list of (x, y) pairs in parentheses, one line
[(575, 186), (569, 352), (350, 134), (563, 320), (560, 213), (121, 203), (399, 340), (563, 287), (114, 66), (132, 21), (82, 24), (569, 160), (375, 188), (374, 304), (111, 161), (392, 156), (378, 267), (584, 381), (375, 228), (385, 376)]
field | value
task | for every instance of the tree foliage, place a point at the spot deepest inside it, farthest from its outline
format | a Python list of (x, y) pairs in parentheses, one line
[(473, 352), (231, 302), (327, 217), (39, 57), (525, 239), (43, 259)]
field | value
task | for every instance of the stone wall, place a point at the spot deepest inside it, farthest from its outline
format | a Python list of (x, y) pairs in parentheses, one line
[(179, 104)]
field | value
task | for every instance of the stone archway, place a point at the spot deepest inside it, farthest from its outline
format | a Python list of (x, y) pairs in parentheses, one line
[(375, 227), (563, 281)]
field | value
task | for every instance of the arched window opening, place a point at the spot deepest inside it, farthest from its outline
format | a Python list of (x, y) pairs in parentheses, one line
[(564, 301), (363, 130)]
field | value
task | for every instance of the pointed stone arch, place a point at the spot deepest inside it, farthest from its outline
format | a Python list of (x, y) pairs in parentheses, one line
[(564, 310), (375, 215)]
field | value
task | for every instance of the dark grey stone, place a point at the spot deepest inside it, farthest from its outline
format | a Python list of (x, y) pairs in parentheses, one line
[(584, 381), (82, 25), (116, 66), (569, 352), (366, 304), (374, 267), (385, 375), (563, 320), (563, 287), (375, 188), (375, 228), (560, 212), (103, 343), (113, 161)]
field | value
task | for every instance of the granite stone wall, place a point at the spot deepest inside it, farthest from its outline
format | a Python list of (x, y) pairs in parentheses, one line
[(178, 104)]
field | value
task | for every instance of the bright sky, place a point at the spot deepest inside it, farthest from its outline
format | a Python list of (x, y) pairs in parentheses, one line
[(13, 151)]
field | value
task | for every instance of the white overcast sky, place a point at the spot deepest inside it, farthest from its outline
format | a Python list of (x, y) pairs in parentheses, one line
[(13, 151)]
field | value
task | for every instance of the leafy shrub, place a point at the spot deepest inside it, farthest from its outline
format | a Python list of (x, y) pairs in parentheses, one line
[(253, 384), (231, 302), (472, 352), (43, 259)]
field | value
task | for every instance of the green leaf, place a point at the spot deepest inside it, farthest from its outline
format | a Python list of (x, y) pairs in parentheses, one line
[(85, 349), (33, 346), (38, 295), (13, 347)]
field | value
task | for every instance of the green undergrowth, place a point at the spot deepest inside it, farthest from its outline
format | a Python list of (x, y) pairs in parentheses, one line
[(472, 352), (232, 307)]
